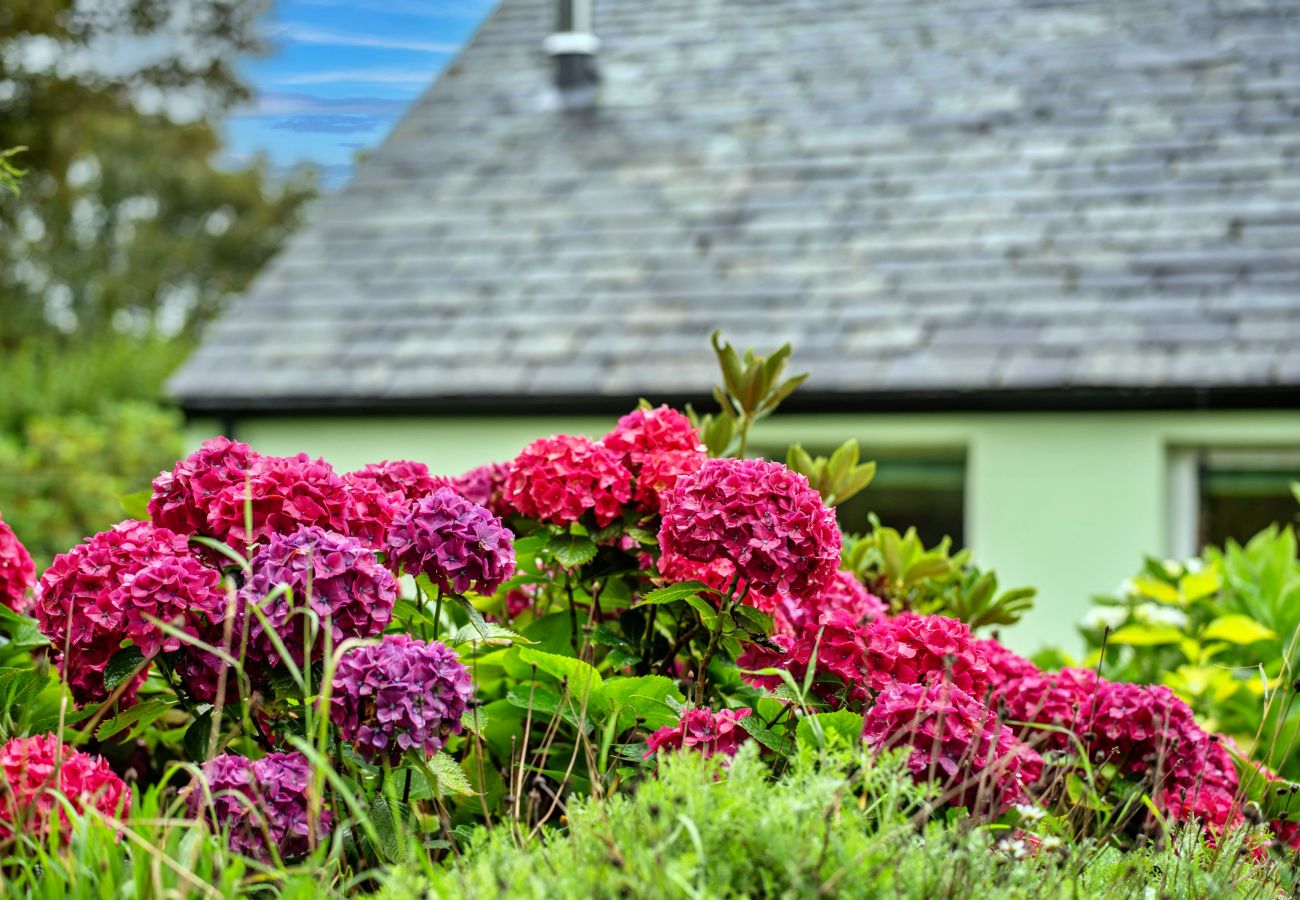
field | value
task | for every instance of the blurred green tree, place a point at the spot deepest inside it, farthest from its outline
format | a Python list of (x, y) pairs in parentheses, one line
[(125, 238)]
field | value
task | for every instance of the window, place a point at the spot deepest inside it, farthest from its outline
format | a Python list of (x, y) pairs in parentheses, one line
[(1217, 494)]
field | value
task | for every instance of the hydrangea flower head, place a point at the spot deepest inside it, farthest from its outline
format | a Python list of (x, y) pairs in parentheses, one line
[(840, 651), (1148, 732), (104, 590), (559, 478), (286, 492), (403, 479), (458, 544), (1004, 665), (338, 575), (486, 486), (1057, 699), (263, 805), (17, 571), (761, 517), (911, 649), (957, 741), (400, 694), (704, 731), (657, 446), (843, 593), (183, 497), (33, 769)]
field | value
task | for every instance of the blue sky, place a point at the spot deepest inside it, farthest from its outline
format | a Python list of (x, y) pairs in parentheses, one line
[(340, 73)]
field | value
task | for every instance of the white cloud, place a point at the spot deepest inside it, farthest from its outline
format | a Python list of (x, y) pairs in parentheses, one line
[(363, 76), (427, 9), (308, 34), (275, 104)]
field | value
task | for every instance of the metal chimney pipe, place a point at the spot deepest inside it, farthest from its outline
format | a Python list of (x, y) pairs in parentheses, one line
[(573, 46)]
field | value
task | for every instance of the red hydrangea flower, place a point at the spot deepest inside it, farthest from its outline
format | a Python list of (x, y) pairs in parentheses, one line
[(704, 731), (34, 769), (559, 478), (398, 695), (1216, 811), (955, 740), (657, 446), (369, 512), (17, 571), (841, 653), (844, 593), (401, 478), (910, 649), (486, 486), (346, 587), (99, 592), (1004, 665), (717, 574), (287, 492), (1058, 699), (761, 517), (458, 544), (183, 497), (1148, 732), (263, 805)]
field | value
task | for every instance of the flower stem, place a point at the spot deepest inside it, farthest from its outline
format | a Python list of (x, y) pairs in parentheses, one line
[(437, 611)]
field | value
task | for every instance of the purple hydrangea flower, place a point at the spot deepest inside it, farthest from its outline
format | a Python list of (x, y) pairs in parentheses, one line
[(458, 544), (346, 585), (263, 804), (398, 695)]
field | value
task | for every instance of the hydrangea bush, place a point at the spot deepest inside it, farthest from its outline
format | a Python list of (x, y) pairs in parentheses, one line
[(342, 670)]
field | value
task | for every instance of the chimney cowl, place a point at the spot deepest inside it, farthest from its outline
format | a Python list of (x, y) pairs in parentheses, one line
[(572, 46)]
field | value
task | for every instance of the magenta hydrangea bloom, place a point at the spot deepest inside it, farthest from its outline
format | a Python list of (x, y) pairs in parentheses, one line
[(841, 658), (33, 769), (1148, 732), (704, 731), (402, 479), (559, 478), (956, 740), (1057, 699), (759, 516), (17, 571), (486, 486), (400, 694), (183, 497), (263, 805), (100, 592), (910, 649), (346, 586), (843, 593), (657, 446), (458, 544), (1004, 665), (287, 492)]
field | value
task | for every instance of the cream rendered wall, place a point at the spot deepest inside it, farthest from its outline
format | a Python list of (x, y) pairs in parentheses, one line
[(1067, 502)]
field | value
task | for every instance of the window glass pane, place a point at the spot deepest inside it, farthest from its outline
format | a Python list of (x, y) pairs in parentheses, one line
[(1245, 491)]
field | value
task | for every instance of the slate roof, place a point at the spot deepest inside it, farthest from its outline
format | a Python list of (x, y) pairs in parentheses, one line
[(937, 201)]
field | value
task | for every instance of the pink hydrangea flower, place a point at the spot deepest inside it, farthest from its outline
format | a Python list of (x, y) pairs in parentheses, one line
[(368, 512), (841, 658), (657, 446), (910, 649), (17, 571), (844, 592), (1148, 732), (403, 479), (559, 478), (1004, 665), (486, 486), (398, 695), (287, 492), (102, 591), (34, 770), (955, 740), (183, 497), (1216, 811), (340, 578), (263, 805), (703, 731), (458, 544), (1057, 699), (759, 516)]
